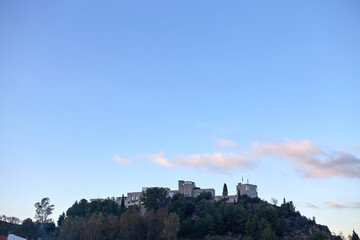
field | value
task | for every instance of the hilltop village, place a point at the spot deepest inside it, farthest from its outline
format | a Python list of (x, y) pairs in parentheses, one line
[(189, 189)]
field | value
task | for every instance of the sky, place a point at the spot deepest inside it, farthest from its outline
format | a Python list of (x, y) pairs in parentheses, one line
[(101, 98)]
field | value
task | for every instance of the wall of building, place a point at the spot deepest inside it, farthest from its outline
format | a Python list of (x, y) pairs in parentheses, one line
[(189, 189), (247, 189)]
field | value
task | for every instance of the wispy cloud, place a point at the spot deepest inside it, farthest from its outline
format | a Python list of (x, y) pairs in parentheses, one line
[(223, 143), (159, 158), (216, 160), (335, 205), (311, 205), (121, 160), (339, 206), (310, 160)]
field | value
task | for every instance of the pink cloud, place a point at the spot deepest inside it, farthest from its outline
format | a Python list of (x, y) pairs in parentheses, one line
[(311, 205), (215, 160), (121, 160), (335, 205), (310, 160), (159, 158), (339, 206), (223, 143)]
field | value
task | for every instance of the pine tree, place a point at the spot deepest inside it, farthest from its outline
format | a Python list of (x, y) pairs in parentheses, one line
[(225, 190), (355, 236)]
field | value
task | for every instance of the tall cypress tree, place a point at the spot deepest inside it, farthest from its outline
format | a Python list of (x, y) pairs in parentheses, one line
[(225, 190), (122, 205)]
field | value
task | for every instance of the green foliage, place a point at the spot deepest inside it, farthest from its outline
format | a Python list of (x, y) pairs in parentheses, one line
[(132, 225), (203, 196), (71, 228), (93, 228), (43, 210), (78, 209), (87, 209), (288, 209), (183, 217), (61, 219), (154, 198), (27, 229), (317, 236), (267, 234), (208, 237), (171, 227)]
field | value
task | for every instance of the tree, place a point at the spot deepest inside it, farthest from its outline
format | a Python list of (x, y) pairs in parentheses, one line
[(225, 190), (317, 236), (355, 236), (154, 198), (122, 205), (43, 210), (13, 220), (267, 234), (71, 228), (28, 223), (29, 229), (171, 227), (274, 201), (61, 219), (111, 228), (93, 228), (78, 209), (132, 225)]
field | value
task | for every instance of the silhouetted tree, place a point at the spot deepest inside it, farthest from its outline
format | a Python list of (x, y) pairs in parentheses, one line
[(225, 190), (355, 236), (61, 219), (122, 205), (43, 210)]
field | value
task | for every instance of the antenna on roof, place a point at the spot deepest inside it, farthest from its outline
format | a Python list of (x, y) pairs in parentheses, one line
[(248, 181), (242, 179)]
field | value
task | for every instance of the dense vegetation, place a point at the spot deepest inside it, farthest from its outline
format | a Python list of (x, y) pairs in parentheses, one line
[(179, 217), (185, 218)]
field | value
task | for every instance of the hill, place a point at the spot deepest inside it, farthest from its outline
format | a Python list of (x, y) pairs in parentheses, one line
[(161, 217)]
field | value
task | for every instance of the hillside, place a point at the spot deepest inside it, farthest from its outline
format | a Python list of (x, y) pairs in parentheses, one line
[(180, 217)]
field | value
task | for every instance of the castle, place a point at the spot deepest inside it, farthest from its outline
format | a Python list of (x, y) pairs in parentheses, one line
[(189, 189)]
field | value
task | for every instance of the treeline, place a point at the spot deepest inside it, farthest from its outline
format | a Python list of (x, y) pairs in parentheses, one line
[(162, 217), (27, 229)]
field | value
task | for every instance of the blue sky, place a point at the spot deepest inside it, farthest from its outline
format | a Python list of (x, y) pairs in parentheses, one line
[(98, 99)]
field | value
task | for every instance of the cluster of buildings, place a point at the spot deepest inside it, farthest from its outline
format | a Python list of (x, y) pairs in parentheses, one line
[(189, 189)]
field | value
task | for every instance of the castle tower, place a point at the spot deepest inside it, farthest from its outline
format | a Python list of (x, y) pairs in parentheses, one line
[(181, 186)]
